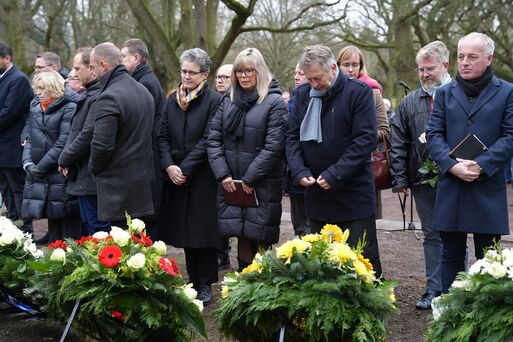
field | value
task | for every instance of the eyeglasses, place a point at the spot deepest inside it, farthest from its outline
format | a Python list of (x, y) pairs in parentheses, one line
[(245, 72), (347, 65), (190, 73), (72, 79), (222, 77), (39, 67), (427, 70)]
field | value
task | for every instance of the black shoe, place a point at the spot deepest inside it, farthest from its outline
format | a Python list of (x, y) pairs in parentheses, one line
[(425, 301), (223, 263), (205, 294), (44, 240)]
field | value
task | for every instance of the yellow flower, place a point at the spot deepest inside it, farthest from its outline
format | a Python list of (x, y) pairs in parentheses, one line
[(286, 250), (225, 291), (332, 233), (365, 261), (253, 267), (340, 253), (311, 237), (391, 296), (361, 269), (299, 322)]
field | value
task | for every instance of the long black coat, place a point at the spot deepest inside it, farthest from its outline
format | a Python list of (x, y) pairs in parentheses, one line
[(75, 154), (15, 96), (121, 155), (47, 133), (349, 133), (188, 215), (257, 159)]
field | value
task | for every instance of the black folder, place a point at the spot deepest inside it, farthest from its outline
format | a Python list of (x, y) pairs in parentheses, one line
[(239, 197), (469, 148)]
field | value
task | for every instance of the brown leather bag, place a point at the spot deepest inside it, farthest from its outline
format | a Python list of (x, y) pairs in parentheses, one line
[(381, 166)]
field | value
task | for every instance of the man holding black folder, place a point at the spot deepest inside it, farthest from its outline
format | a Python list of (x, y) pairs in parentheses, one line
[(474, 110)]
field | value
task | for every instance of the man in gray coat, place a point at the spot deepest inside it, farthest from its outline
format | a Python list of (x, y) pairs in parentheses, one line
[(121, 150)]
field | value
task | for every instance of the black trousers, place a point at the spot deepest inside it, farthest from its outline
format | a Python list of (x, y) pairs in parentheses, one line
[(298, 214), (12, 182), (454, 249), (201, 266), (356, 230), (59, 229)]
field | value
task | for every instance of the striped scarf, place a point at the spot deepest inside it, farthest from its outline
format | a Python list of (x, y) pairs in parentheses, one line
[(184, 99)]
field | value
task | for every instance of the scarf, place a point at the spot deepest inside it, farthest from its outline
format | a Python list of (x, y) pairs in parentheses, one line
[(243, 101), (473, 88), (185, 98), (311, 125), (371, 82), (46, 103)]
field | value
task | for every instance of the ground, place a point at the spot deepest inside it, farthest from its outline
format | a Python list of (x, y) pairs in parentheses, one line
[(401, 257)]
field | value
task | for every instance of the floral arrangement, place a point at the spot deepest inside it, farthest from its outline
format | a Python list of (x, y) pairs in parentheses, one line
[(317, 288), (479, 305), (16, 249), (126, 288), (429, 170)]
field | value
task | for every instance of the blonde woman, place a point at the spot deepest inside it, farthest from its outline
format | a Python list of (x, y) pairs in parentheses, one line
[(47, 130)]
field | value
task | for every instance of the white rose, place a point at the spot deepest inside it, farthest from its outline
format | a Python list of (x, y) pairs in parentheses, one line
[(437, 308), (510, 273), (138, 225), (7, 237), (461, 284), (190, 292), (137, 261), (507, 257), (492, 255), (120, 236), (478, 267), (161, 247), (199, 304), (5, 223), (497, 270), (422, 138), (100, 235), (58, 254)]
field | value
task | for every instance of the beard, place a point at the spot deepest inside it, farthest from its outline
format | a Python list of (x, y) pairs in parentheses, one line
[(430, 84)]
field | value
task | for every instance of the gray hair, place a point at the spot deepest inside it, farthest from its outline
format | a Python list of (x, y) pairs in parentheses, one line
[(197, 56), (320, 54), (51, 58), (137, 46), (489, 45), (109, 53), (437, 49)]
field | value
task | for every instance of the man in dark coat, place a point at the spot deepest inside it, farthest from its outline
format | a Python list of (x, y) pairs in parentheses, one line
[(15, 96), (121, 152), (135, 58), (471, 193), (330, 136), (74, 158)]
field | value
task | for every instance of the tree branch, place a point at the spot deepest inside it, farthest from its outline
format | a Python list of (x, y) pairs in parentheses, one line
[(294, 29)]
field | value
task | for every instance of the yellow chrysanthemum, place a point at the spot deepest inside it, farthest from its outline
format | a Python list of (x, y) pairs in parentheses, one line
[(332, 233), (341, 253), (285, 251), (311, 237), (253, 267), (362, 271), (225, 291), (391, 296), (365, 261)]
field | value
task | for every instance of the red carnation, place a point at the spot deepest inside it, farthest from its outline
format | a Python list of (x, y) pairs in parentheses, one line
[(84, 239), (58, 244), (143, 240), (118, 315), (166, 265), (110, 256), (175, 265)]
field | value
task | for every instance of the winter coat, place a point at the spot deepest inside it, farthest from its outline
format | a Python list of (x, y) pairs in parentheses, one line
[(121, 155), (408, 153), (47, 133), (188, 215), (75, 155), (257, 159), (15, 96), (343, 159), (480, 206)]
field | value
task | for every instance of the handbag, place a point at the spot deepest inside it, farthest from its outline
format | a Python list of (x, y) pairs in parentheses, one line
[(381, 166)]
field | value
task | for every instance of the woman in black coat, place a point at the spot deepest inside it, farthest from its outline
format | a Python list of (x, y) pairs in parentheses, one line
[(47, 130), (246, 142), (188, 213)]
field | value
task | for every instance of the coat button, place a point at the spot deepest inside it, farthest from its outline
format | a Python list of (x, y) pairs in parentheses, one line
[(469, 122)]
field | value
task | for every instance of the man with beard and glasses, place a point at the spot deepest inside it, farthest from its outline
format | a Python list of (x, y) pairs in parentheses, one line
[(409, 152), (471, 195)]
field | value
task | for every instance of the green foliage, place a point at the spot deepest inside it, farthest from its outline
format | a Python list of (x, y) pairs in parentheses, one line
[(430, 172)]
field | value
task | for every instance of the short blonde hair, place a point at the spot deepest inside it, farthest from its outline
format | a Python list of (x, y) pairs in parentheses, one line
[(53, 82), (253, 57)]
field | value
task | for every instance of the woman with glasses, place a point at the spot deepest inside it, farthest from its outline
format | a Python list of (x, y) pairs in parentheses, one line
[(246, 142), (350, 62), (188, 213)]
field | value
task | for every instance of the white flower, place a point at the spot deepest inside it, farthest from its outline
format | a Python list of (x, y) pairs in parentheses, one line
[(479, 267), (492, 255), (190, 292), (461, 284), (7, 237), (5, 223), (137, 261), (31, 248), (100, 235), (120, 236), (137, 225), (437, 308), (199, 304), (507, 257), (58, 254), (228, 280), (510, 273), (161, 247), (497, 270), (422, 138)]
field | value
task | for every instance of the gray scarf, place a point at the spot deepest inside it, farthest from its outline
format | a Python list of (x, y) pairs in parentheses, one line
[(311, 124)]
